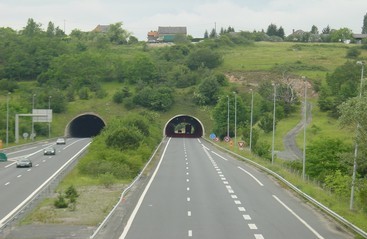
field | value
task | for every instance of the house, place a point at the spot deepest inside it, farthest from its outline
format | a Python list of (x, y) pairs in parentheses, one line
[(101, 28), (359, 37), (166, 34), (153, 36)]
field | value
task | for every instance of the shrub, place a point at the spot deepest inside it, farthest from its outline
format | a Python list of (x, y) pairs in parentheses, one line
[(60, 202), (107, 179)]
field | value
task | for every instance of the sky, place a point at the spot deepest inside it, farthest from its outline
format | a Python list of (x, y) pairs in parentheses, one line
[(141, 16)]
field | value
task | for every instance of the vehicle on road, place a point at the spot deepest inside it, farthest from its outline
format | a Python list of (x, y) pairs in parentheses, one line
[(49, 151), (24, 163), (61, 141), (3, 157)]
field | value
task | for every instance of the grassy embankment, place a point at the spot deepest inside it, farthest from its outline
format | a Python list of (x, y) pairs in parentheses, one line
[(245, 63)]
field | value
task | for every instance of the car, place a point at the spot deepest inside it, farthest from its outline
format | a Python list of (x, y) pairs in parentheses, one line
[(61, 141), (49, 151), (3, 157), (24, 162)]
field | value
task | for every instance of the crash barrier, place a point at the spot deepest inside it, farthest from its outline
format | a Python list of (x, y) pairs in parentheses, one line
[(126, 190), (327, 210), (46, 189)]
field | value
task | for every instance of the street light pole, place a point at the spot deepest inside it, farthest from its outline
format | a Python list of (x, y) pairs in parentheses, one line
[(304, 130), (49, 123), (7, 119), (252, 109), (227, 116), (356, 144), (32, 133), (272, 145), (235, 119)]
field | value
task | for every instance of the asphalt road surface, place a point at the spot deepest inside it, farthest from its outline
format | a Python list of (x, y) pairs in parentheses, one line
[(17, 185), (200, 192)]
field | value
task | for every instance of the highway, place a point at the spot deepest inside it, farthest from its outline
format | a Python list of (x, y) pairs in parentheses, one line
[(17, 185), (197, 191)]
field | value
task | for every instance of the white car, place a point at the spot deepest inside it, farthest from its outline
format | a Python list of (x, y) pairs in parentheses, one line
[(61, 141), (24, 162)]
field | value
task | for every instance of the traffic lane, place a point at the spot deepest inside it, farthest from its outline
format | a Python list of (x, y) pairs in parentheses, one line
[(26, 180), (215, 214), (162, 211), (278, 211), (7, 172), (200, 207)]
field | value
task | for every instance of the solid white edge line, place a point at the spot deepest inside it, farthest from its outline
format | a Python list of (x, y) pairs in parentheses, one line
[(252, 176), (133, 214), (299, 218), (220, 156), (3, 220)]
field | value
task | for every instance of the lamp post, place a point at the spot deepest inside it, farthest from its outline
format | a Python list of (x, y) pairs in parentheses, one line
[(235, 119), (356, 143), (32, 134), (304, 129), (272, 145), (7, 119), (49, 123), (227, 116), (252, 109)]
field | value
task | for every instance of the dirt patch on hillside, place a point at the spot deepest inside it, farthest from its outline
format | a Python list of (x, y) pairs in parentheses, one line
[(253, 79)]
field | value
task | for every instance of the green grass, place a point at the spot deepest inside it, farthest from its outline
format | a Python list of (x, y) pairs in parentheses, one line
[(243, 61), (264, 56)]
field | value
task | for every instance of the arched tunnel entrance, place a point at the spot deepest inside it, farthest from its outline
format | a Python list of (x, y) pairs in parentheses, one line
[(184, 126), (85, 126)]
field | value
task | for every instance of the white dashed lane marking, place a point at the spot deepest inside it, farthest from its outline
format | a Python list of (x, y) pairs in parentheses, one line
[(236, 201)]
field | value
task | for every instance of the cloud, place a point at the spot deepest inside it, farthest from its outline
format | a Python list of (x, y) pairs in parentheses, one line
[(141, 16)]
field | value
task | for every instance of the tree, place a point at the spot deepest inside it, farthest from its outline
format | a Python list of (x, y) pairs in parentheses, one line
[(50, 29), (220, 114), (208, 92), (272, 30), (353, 112), (314, 30), (324, 157), (206, 34), (342, 84), (143, 68), (280, 32), (117, 34), (341, 34), (364, 28), (213, 33), (326, 30), (204, 57), (32, 28)]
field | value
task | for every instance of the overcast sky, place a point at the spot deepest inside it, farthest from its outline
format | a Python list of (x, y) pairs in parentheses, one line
[(141, 16)]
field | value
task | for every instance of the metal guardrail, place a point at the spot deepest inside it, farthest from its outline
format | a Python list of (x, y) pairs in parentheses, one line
[(46, 187), (126, 190), (327, 210)]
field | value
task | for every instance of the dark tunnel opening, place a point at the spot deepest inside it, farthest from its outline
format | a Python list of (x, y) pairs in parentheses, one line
[(184, 126), (85, 126)]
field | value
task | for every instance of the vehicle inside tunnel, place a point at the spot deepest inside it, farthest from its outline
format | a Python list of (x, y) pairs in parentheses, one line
[(184, 126), (85, 126)]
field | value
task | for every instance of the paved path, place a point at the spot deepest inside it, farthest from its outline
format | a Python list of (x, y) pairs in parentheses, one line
[(291, 150)]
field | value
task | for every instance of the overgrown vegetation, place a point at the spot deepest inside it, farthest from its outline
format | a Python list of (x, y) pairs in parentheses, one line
[(147, 84)]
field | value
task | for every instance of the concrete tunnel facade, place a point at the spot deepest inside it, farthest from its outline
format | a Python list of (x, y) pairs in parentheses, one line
[(90, 124), (184, 126), (84, 126)]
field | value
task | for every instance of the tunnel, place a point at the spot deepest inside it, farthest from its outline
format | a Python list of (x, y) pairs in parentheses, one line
[(184, 126), (85, 126)]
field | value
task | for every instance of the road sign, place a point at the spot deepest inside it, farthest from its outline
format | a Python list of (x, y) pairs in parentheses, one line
[(227, 139), (241, 144), (212, 136)]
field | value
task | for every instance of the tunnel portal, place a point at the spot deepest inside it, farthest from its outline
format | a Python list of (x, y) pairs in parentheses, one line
[(85, 126), (184, 126)]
